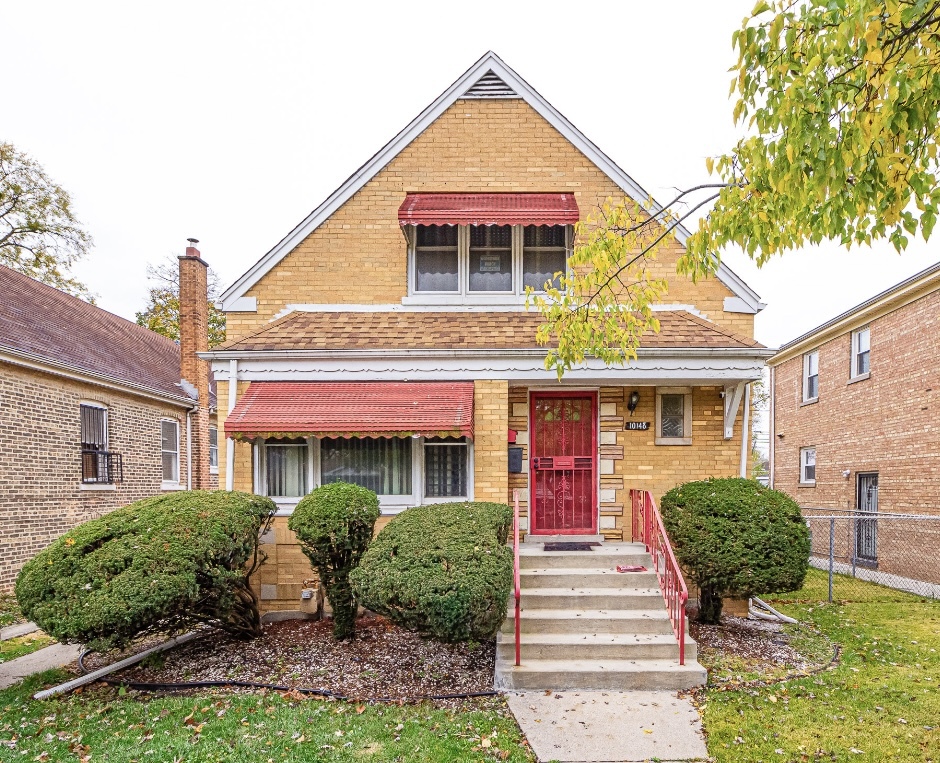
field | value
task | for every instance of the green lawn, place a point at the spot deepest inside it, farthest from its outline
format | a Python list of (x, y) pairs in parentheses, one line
[(9, 611), (104, 724), (17, 647), (881, 702)]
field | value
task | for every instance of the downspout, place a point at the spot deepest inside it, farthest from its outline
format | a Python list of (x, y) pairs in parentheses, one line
[(189, 449), (772, 446), (229, 442), (745, 433)]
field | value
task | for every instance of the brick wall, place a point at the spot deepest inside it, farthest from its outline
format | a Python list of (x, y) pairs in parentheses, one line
[(887, 423), (490, 446), (359, 255), (40, 470)]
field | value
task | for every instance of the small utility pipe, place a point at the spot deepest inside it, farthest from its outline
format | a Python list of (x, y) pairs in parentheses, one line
[(745, 433)]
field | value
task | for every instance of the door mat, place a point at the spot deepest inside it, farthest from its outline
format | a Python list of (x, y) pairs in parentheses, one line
[(571, 546)]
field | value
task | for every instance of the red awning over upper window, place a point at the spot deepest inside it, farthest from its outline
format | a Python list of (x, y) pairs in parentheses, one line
[(353, 409), (488, 209)]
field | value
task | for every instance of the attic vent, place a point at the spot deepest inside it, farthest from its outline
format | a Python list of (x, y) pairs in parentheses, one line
[(490, 86)]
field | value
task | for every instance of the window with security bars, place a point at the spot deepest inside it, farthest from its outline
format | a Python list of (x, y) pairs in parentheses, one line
[(672, 421), (286, 468), (445, 468), (94, 444), (170, 450), (382, 464)]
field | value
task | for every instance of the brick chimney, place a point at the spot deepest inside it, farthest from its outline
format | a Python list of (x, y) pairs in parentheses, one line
[(194, 337)]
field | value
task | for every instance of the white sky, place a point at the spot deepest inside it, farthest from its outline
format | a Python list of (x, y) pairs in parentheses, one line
[(231, 121)]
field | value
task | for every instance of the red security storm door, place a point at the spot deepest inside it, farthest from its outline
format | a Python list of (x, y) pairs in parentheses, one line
[(563, 471)]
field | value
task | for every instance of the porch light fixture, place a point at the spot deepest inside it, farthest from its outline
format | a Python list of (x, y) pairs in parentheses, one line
[(633, 402)]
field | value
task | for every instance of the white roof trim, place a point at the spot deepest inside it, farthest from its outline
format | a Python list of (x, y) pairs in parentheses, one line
[(489, 62)]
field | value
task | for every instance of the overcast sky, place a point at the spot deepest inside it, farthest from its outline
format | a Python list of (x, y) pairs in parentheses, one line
[(230, 122)]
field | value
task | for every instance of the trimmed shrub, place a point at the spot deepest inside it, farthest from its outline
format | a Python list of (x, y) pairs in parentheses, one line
[(736, 537), (442, 569), (162, 564), (334, 525)]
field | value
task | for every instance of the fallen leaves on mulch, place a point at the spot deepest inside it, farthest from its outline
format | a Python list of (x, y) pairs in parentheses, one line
[(382, 660)]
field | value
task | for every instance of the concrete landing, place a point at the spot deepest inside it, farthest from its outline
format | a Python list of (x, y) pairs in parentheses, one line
[(609, 727), (47, 658)]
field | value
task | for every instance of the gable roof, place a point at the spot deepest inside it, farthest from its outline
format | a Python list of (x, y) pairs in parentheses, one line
[(410, 330), (489, 77), (42, 324)]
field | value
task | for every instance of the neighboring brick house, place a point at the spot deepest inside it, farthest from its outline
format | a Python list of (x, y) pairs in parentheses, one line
[(854, 418), (95, 411), (385, 340)]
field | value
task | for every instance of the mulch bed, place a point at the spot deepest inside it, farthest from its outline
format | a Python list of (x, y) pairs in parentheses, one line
[(382, 660)]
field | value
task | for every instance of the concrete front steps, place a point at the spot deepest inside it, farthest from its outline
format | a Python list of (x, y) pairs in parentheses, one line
[(586, 626)]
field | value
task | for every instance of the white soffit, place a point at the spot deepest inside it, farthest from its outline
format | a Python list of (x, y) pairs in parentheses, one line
[(489, 72)]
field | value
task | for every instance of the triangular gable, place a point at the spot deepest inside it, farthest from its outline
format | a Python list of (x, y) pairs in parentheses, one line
[(487, 78)]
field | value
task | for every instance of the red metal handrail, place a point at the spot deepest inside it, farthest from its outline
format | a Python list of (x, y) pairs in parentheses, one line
[(515, 570), (648, 529)]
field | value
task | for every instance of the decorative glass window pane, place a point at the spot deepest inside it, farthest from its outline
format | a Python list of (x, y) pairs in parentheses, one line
[(673, 416), (213, 448), (490, 258), (445, 469), (170, 450), (380, 464), (286, 467), (808, 465), (543, 254), (436, 260)]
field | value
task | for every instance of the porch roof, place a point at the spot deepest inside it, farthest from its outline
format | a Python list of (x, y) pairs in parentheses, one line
[(353, 409), (417, 330), (488, 209)]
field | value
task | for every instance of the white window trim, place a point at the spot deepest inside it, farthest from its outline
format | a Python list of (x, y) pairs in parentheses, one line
[(853, 375), (176, 484), (686, 392), (517, 296), (806, 375), (803, 452), (388, 504), (214, 469)]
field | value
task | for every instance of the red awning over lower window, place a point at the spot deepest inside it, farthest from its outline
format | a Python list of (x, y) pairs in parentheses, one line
[(353, 409), (488, 209)]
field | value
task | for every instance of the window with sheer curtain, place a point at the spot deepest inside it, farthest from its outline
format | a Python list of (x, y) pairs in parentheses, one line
[(378, 463), (286, 468)]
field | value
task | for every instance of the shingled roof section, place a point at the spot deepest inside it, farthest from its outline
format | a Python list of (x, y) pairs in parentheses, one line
[(49, 325), (456, 330)]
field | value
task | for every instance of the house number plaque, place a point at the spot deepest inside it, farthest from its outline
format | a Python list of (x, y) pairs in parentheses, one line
[(641, 426)]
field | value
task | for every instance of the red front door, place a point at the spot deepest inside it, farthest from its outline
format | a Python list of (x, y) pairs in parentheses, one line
[(563, 463)]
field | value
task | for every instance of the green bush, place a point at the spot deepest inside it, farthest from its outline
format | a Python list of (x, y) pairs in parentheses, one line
[(735, 537), (162, 564), (442, 569), (334, 525)]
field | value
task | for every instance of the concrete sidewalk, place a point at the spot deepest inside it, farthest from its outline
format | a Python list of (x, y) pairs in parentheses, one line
[(52, 656), (15, 631), (609, 727)]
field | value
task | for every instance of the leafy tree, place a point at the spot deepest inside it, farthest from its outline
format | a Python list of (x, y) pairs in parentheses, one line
[(162, 313), (334, 524), (39, 233), (735, 537), (160, 565), (840, 100)]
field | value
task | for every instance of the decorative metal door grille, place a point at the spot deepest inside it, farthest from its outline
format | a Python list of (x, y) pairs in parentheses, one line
[(866, 529), (563, 473)]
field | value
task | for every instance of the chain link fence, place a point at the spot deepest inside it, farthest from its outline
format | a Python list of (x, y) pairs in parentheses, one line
[(900, 552)]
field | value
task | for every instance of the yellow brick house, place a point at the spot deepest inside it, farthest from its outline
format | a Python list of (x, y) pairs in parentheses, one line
[(385, 340)]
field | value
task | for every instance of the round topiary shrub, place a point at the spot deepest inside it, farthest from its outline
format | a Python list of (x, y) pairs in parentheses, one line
[(334, 525), (735, 537), (442, 569), (162, 564)]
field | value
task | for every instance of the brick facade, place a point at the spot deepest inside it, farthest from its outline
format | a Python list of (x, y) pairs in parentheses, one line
[(41, 491)]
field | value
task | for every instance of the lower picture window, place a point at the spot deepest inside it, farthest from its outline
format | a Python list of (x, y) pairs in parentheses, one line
[(381, 464), (286, 468), (445, 468)]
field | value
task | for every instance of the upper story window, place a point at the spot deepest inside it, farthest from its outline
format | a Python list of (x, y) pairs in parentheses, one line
[(861, 352), (489, 262), (810, 376)]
